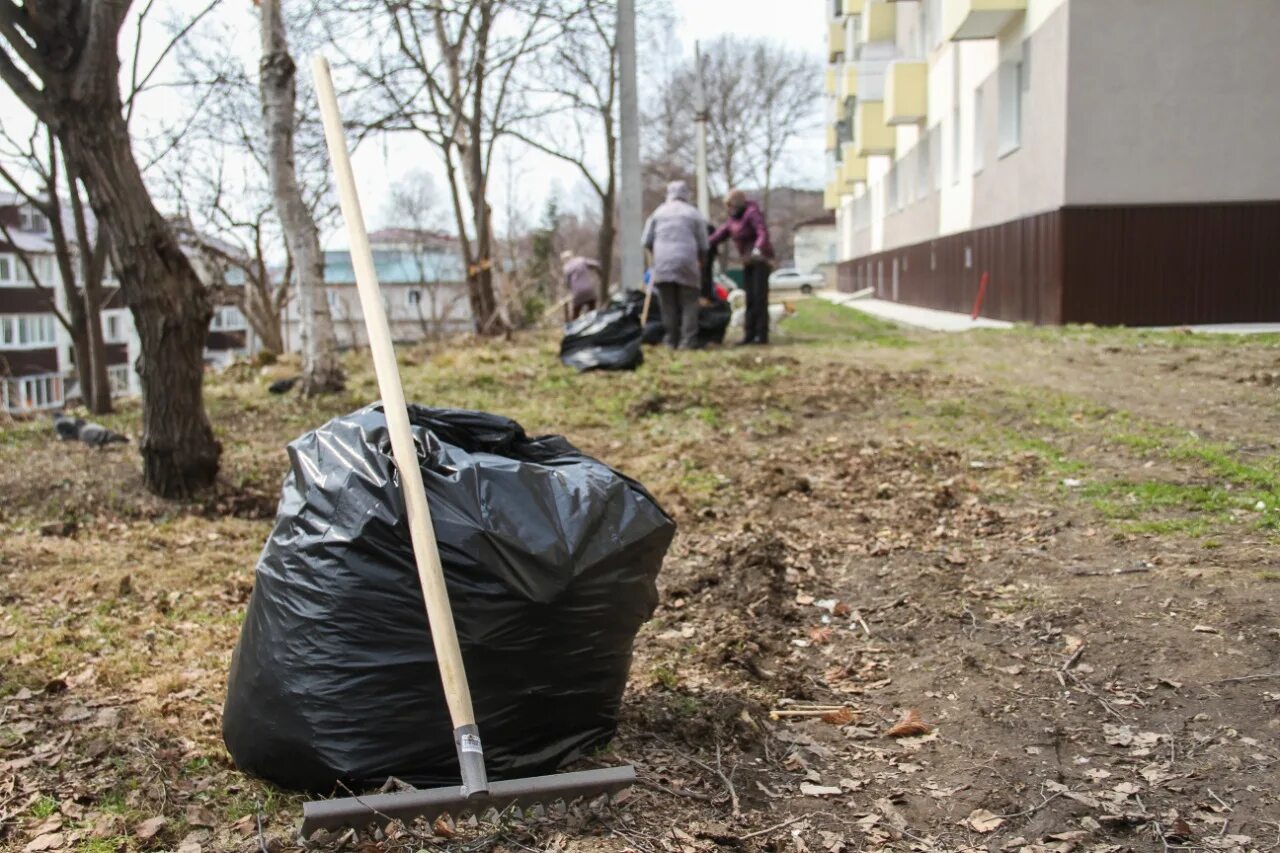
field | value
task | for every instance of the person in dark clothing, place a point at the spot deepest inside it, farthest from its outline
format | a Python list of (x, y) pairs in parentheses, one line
[(747, 229)]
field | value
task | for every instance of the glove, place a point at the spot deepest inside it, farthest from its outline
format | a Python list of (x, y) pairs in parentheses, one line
[(756, 253)]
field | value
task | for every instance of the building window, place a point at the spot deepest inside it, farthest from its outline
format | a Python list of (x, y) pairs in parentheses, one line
[(1012, 80), (227, 318), (955, 144), (414, 297), (979, 144), (27, 331), (113, 328), (118, 379), (6, 268), (32, 392)]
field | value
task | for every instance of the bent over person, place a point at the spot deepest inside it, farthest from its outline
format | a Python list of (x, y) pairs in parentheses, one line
[(747, 229), (580, 277), (676, 234)]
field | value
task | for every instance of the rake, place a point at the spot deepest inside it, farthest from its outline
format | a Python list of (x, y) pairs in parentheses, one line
[(476, 795)]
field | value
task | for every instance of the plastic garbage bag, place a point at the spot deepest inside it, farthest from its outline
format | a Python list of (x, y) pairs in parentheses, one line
[(550, 558), (605, 339), (713, 321)]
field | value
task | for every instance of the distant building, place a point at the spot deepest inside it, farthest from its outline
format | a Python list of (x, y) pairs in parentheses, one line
[(37, 367), (423, 289), (1104, 161), (817, 246)]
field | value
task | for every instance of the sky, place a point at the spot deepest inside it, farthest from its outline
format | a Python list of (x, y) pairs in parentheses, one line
[(523, 180)]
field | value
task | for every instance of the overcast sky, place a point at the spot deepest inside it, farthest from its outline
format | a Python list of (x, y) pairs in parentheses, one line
[(524, 180)]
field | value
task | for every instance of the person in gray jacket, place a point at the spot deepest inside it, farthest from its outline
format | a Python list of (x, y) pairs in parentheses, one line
[(676, 234)]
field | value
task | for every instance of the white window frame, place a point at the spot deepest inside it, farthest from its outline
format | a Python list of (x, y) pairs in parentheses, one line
[(33, 393), (979, 140), (118, 319), (956, 159), (1013, 84), (28, 331), (7, 264), (118, 379), (227, 318)]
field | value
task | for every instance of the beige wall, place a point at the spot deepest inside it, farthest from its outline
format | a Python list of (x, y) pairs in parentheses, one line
[(1150, 124), (1031, 179)]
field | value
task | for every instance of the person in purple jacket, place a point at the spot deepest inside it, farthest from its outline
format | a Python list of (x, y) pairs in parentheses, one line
[(747, 229), (580, 278)]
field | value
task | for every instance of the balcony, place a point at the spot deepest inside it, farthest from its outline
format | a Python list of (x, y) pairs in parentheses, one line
[(906, 93), (848, 82), (852, 7), (833, 78), (963, 20), (831, 196), (879, 22), (871, 136), (833, 134), (853, 169), (835, 40)]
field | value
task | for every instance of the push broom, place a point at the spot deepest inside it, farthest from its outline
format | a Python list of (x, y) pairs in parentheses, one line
[(476, 795)]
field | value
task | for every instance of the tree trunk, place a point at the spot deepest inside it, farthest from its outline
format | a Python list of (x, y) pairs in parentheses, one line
[(93, 267), (170, 307), (321, 371), (605, 239)]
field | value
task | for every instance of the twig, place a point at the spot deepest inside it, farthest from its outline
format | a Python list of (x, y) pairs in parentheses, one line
[(776, 826), (1133, 571), (388, 818), (1229, 808), (262, 844), (1071, 661), (1033, 809), (693, 795), (1266, 676)]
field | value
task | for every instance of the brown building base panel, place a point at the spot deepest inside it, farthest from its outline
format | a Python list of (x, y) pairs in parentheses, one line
[(1158, 265)]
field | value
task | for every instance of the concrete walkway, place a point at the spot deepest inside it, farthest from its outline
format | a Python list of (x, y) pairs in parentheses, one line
[(911, 315)]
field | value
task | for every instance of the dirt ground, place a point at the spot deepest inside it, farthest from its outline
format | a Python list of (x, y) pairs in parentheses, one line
[(1046, 557)]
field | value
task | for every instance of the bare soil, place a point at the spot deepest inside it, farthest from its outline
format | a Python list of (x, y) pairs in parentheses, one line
[(1047, 547)]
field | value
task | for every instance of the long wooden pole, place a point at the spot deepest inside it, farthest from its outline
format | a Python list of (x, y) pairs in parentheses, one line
[(425, 550)]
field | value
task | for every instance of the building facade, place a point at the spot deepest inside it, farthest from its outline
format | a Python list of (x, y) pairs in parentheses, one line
[(817, 246), (423, 289), (37, 362), (1106, 161)]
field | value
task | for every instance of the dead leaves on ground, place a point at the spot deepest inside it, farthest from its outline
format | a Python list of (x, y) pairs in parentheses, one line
[(912, 724)]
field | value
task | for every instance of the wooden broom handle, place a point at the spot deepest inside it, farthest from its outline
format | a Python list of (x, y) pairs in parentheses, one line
[(425, 551)]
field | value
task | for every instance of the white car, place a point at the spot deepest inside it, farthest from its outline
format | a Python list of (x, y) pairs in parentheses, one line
[(793, 279)]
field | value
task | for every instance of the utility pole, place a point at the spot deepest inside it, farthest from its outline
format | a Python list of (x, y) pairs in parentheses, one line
[(630, 215), (701, 117)]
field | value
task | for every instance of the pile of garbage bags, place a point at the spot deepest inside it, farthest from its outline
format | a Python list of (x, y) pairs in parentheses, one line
[(550, 557), (605, 339), (713, 321)]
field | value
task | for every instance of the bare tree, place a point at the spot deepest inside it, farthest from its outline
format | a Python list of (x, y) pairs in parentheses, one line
[(414, 211), (448, 73), (79, 255), (60, 59), (761, 96), (321, 370)]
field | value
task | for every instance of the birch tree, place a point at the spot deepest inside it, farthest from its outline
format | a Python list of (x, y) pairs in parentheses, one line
[(321, 370), (60, 58)]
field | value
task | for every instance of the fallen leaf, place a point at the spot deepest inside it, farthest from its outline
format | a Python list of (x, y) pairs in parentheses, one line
[(443, 827), (981, 820), (810, 790), (148, 828), (200, 816), (911, 725), (48, 841), (1206, 629), (1178, 832), (820, 636), (841, 717)]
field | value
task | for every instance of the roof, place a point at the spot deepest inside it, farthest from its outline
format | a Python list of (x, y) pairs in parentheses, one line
[(25, 241), (397, 266), (412, 237)]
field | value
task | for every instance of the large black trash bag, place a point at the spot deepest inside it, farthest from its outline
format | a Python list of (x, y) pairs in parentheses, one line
[(713, 321), (550, 557), (605, 339)]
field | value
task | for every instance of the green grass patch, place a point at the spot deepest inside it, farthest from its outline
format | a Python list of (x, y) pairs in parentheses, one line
[(817, 321)]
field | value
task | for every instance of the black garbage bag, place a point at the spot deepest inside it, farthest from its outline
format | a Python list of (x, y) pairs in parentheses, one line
[(713, 321), (605, 339), (550, 558)]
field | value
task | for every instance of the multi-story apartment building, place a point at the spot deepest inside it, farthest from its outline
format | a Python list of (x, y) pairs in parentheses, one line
[(37, 365), (1108, 161), (36, 361), (423, 289)]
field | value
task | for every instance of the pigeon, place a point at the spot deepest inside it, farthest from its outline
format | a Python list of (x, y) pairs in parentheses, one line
[(283, 386), (96, 435), (67, 428), (78, 429)]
